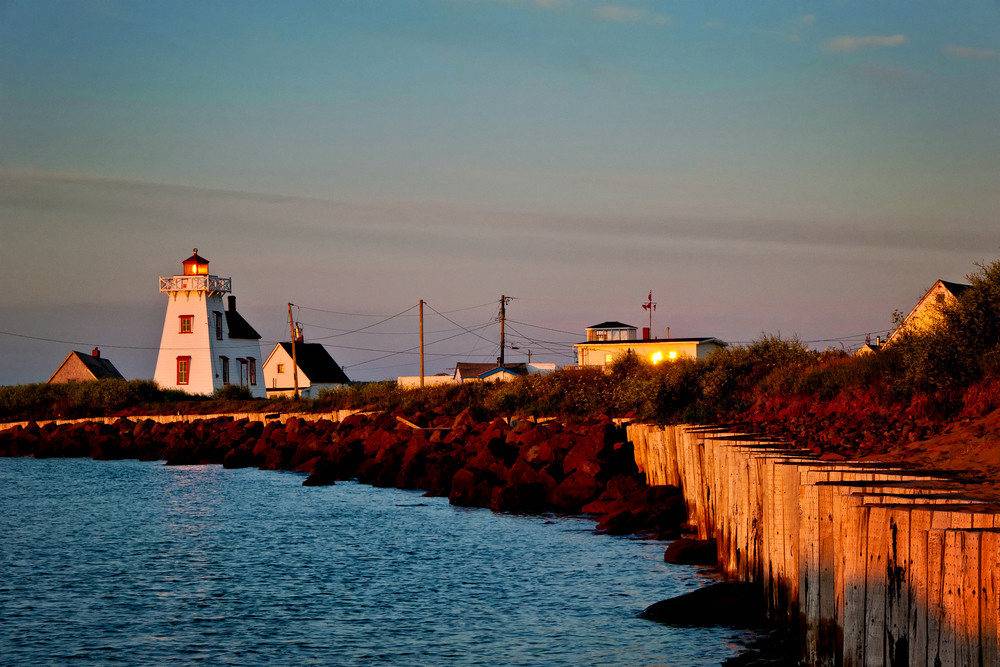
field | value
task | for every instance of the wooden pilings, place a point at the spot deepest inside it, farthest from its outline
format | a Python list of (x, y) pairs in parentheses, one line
[(877, 564)]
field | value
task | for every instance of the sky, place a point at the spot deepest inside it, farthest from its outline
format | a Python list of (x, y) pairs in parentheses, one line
[(800, 169)]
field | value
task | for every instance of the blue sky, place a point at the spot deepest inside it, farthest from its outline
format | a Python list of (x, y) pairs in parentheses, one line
[(802, 168)]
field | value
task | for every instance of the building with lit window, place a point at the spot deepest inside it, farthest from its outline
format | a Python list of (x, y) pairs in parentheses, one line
[(926, 314), (608, 341), (206, 344)]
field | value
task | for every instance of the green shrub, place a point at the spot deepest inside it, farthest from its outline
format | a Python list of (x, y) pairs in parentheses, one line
[(232, 392)]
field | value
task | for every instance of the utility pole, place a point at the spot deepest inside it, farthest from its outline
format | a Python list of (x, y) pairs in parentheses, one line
[(295, 357), (650, 305), (421, 343), (504, 300)]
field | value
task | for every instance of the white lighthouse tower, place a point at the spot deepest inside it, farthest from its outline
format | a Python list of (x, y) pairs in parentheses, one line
[(205, 346)]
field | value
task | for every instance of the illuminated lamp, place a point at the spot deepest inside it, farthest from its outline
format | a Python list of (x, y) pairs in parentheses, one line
[(195, 265), (656, 357), (672, 355)]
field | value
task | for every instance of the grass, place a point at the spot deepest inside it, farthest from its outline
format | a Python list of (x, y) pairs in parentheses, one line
[(922, 375)]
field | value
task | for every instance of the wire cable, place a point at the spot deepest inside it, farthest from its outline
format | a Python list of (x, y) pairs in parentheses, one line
[(369, 326), (459, 325)]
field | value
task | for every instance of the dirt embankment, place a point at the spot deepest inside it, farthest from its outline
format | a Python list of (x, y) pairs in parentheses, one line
[(970, 445)]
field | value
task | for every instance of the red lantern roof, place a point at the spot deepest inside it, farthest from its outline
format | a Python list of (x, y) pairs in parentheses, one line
[(195, 265)]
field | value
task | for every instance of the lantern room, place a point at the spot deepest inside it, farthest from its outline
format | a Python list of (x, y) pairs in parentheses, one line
[(195, 265)]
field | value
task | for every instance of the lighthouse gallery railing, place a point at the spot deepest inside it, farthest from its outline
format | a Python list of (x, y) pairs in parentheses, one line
[(195, 283)]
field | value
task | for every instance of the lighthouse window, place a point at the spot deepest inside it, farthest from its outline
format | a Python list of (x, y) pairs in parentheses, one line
[(253, 371), (183, 370), (187, 323), (225, 369), (218, 325)]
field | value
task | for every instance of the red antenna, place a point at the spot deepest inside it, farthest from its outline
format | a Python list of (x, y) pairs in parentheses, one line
[(650, 305)]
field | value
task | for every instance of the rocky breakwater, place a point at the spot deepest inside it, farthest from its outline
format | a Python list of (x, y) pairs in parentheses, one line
[(583, 466), (875, 564)]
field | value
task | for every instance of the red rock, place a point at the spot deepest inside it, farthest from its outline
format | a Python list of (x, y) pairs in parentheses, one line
[(575, 491), (691, 551)]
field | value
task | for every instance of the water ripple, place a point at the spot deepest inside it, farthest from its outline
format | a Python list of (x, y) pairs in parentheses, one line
[(132, 562)]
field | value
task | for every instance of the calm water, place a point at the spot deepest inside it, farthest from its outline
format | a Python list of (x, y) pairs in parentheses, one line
[(139, 562)]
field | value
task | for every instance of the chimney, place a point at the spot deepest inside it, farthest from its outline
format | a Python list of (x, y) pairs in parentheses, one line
[(645, 333), (96, 352), (232, 303)]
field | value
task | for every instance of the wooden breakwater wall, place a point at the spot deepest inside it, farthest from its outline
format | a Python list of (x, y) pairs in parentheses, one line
[(875, 564), (265, 417)]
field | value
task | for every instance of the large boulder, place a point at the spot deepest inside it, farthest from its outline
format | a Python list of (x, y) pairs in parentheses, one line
[(728, 603)]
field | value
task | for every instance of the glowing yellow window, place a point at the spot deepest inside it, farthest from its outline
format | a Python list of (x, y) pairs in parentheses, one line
[(608, 358), (656, 357), (672, 355)]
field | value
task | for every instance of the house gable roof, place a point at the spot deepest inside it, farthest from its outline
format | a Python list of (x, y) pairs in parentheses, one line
[(699, 340), (99, 367), (512, 369), (611, 324), (239, 328), (473, 369), (955, 288), (316, 363)]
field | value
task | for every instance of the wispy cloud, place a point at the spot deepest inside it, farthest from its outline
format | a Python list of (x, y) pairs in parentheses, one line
[(627, 14), (970, 52), (798, 25), (851, 43)]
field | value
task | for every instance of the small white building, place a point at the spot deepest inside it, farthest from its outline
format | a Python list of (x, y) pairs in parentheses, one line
[(413, 381), (205, 345), (466, 371), (608, 341), (317, 370)]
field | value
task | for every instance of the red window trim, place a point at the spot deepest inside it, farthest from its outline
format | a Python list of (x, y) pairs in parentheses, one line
[(187, 379), (180, 324)]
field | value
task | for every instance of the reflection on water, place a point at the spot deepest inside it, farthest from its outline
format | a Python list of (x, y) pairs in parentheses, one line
[(139, 562)]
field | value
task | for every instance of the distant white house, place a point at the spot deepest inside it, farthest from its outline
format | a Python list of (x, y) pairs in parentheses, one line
[(608, 341), (413, 381), (492, 372), (317, 370), (926, 314)]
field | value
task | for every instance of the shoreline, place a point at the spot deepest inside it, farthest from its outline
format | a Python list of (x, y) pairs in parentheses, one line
[(495, 466)]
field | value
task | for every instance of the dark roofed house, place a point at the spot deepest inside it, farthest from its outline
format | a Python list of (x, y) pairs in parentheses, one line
[(466, 371), (317, 370), (82, 367), (471, 370)]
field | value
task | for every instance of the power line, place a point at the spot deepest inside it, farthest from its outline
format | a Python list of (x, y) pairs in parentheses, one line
[(540, 344), (342, 312), (460, 326), (481, 305), (381, 333), (538, 326), (416, 347), (369, 326)]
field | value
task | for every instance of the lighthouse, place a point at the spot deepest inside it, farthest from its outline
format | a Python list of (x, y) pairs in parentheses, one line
[(206, 343)]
